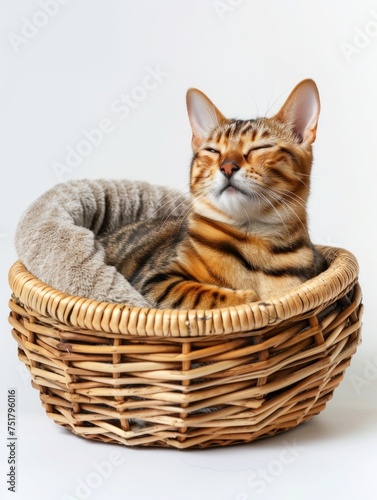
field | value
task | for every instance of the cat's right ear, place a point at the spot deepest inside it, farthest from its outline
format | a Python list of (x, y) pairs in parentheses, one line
[(203, 116), (301, 110)]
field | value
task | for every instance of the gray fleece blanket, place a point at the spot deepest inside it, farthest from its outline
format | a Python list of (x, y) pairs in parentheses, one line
[(56, 237)]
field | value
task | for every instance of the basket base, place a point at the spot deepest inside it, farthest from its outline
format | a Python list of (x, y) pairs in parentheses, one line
[(209, 435)]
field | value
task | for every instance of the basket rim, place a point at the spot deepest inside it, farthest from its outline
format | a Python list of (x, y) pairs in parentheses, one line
[(113, 318)]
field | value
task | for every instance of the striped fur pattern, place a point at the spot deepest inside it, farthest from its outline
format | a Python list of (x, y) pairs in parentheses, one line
[(245, 237)]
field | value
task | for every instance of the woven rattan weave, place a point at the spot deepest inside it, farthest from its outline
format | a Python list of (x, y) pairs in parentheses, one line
[(183, 379)]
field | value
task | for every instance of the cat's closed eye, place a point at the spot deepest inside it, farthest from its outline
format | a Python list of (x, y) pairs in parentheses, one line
[(212, 150), (256, 148)]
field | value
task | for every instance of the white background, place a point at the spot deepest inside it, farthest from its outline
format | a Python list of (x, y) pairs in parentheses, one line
[(68, 76)]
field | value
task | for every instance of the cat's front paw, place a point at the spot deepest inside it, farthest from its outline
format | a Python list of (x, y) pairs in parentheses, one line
[(248, 296)]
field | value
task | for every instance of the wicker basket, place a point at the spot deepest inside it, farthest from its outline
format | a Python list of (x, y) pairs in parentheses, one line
[(184, 379)]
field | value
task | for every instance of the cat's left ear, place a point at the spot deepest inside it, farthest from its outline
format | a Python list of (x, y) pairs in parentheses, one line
[(301, 111), (203, 116)]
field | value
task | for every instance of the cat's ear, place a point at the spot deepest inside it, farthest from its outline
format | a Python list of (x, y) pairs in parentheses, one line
[(301, 111), (203, 116)]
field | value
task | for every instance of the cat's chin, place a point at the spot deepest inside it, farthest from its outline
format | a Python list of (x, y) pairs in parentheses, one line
[(238, 206), (244, 210), (234, 207), (233, 200)]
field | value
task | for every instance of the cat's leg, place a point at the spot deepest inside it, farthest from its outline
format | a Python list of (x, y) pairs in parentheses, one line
[(184, 294)]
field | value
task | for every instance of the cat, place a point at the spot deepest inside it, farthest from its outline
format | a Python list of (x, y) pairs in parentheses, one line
[(245, 237)]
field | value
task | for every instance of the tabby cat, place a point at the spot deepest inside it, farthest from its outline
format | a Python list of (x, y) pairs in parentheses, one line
[(245, 237)]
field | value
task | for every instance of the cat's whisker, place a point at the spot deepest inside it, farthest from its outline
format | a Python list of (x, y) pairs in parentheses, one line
[(256, 104), (270, 106), (201, 193), (247, 216), (270, 102), (170, 214), (288, 209), (170, 203), (287, 193), (266, 199), (300, 180), (284, 193)]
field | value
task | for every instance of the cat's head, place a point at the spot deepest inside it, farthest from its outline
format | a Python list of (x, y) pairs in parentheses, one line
[(249, 171)]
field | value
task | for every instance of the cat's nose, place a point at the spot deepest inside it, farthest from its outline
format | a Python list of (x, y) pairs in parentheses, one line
[(228, 168)]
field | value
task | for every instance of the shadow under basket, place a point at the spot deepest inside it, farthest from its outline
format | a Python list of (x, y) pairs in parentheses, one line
[(188, 378)]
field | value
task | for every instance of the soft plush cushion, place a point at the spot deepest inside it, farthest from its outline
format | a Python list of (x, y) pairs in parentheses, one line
[(56, 237)]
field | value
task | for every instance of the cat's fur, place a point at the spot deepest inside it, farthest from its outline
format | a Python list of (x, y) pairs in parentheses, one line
[(245, 237)]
